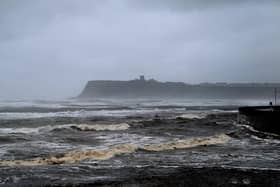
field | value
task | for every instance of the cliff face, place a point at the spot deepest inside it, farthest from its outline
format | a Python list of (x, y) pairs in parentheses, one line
[(154, 89), (134, 88)]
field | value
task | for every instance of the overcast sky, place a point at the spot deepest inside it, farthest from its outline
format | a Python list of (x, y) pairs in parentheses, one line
[(51, 48)]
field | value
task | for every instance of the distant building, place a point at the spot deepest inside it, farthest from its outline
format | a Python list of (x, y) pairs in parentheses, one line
[(142, 78)]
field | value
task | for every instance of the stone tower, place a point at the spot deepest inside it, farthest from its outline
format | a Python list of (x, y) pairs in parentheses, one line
[(142, 78)]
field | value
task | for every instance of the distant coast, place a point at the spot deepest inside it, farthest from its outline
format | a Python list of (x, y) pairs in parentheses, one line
[(142, 88)]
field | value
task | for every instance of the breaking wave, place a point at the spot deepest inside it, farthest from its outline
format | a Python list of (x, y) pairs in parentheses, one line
[(110, 152), (192, 116), (25, 130), (114, 127), (80, 127), (183, 144), (256, 134)]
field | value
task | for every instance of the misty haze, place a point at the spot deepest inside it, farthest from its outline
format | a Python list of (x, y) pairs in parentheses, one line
[(139, 93), (50, 49)]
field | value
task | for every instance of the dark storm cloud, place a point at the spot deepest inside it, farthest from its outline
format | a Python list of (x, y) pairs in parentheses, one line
[(50, 48)]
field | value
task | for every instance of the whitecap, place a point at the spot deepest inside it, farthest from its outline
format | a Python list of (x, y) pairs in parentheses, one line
[(110, 152), (24, 130), (191, 116), (101, 127)]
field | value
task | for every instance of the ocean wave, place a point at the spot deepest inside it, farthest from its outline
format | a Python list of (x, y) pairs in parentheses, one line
[(38, 110), (224, 111), (35, 130), (110, 152), (80, 127), (202, 113), (191, 116), (76, 114), (256, 134), (183, 144), (56, 104), (101, 127)]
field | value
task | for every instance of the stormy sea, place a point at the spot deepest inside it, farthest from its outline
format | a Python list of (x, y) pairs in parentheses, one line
[(134, 143)]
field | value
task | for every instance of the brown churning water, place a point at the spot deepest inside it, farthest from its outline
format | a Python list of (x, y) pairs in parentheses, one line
[(110, 152)]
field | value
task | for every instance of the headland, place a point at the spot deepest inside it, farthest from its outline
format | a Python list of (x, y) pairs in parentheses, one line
[(142, 88)]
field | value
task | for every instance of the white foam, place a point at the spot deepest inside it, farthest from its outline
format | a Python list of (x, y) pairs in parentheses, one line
[(102, 127), (81, 127), (51, 145), (224, 111), (35, 130), (78, 113), (109, 152), (18, 130), (110, 139), (189, 143), (192, 116)]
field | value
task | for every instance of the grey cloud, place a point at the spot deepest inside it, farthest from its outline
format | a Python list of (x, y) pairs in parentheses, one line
[(51, 48), (185, 5)]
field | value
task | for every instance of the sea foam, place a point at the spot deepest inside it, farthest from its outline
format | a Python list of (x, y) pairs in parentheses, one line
[(101, 127), (110, 152)]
